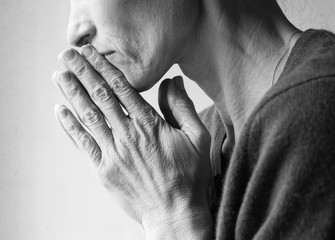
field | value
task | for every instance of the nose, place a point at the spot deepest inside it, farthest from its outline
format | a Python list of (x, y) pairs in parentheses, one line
[(81, 29)]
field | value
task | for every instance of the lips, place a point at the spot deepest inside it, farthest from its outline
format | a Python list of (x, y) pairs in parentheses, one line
[(110, 56), (117, 59), (107, 54)]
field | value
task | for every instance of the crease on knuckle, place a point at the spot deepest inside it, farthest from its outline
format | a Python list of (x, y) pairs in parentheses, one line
[(73, 92), (128, 140), (148, 119), (101, 94), (99, 65), (118, 82), (80, 69), (72, 128), (91, 117), (85, 142)]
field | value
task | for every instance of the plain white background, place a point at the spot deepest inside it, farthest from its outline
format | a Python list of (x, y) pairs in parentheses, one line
[(47, 188)]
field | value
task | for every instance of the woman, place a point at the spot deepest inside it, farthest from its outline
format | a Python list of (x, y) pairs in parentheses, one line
[(271, 132)]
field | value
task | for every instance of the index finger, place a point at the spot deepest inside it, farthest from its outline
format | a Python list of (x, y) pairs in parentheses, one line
[(131, 100)]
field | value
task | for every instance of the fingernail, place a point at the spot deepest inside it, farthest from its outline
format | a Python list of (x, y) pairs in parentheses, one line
[(69, 55), (87, 51), (179, 83), (64, 77), (62, 113)]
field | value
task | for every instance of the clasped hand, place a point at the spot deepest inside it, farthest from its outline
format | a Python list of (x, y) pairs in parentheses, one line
[(159, 173)]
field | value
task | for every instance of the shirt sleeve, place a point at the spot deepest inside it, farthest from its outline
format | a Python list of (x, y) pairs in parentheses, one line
[(281, 183)]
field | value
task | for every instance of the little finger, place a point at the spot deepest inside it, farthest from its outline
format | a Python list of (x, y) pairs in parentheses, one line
[(87, 112), (84, 141)]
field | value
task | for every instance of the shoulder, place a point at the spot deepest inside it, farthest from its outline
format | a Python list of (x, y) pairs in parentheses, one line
[(282, 170), (298, 112), (283, 167), (302, 112), (312, 57), (307, 80)]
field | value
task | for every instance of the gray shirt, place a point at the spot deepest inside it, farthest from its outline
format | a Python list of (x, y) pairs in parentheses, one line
[(279, 181)]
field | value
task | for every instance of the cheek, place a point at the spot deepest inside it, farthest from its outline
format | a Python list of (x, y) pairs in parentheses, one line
[(143, 61), (154, 57), (153, 64), (141, 41), (137, 63)]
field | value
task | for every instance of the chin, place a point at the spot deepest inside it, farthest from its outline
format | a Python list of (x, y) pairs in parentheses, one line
[(140, 84)]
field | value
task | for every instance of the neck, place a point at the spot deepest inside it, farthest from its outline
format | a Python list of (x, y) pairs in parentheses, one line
[(235, 53)]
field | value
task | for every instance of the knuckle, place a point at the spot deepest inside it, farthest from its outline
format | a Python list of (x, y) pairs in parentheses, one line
[(80, 69), (85, 142), (118, 82), (91, 117), (73, 92), (99, 65), (148, 118), (101, 94), (72, 128)]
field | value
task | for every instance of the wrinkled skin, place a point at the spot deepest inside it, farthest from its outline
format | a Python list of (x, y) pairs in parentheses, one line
[(148, 36), (158, 173), (147, 164)]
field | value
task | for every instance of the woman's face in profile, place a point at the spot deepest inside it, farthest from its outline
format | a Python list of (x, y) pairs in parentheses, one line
[(142, 38)]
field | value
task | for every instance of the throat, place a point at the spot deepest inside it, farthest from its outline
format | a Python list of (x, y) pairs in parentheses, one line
[(237, 56)]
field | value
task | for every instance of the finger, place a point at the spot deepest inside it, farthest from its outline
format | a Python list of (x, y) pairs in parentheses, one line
[(179, 106), (97, 88), (131, 100), (164, 104), (87, 112), (55, 81), (83, 140)]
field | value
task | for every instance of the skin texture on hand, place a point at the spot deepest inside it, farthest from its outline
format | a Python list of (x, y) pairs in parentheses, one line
[(158, 173)]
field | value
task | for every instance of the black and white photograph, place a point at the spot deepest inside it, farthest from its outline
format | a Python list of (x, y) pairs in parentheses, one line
[(167, 120)]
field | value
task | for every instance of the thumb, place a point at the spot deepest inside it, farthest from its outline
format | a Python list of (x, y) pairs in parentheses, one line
[(179, 111), (164, 104)]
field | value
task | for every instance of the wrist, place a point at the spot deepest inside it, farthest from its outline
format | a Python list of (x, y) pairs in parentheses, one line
[(192, 223)]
